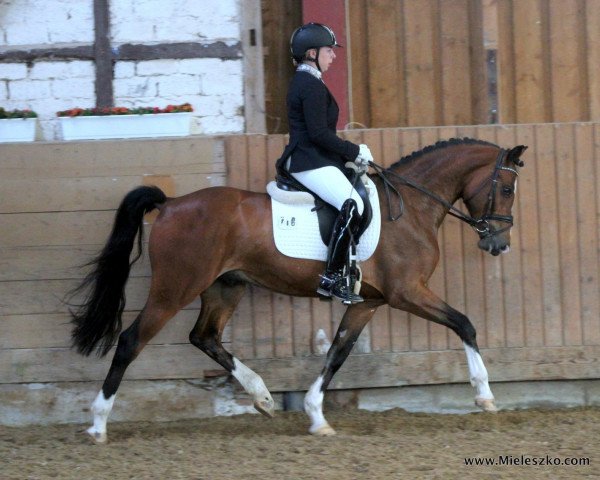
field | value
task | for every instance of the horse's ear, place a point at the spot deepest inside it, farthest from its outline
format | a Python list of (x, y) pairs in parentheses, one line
[(515, 153)]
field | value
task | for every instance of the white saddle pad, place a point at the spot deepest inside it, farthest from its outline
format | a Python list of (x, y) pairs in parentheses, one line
[(296, 227)]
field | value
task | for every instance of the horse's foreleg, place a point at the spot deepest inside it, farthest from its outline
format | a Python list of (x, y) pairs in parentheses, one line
[(218, 303), (427, 305), (352, 324), (131, 342)]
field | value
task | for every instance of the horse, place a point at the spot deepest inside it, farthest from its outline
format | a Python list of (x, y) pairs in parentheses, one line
[(213, 242)]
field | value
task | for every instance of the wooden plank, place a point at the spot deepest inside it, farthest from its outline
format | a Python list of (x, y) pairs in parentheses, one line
[(360, 106), (321, 319), (531, 55), (528, 231), (587, 213), (51, 330), (262, 317), (422, 87), (481, 86), (242, 328), (549, 226), (292, 374), (418, 368), (386, 94), (55, 228), (512, 288), (301, 326), (257, 163), (155, 362), (506, 66), (236, 153), (88, 193), (128, 157), (282, 325), (568, 225), (30, 297), (568, 81), (275, 147), (455, 63), (592, 19)]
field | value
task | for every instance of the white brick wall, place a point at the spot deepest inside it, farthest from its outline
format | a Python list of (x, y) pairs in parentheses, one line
[(33, 22), (214, 87)]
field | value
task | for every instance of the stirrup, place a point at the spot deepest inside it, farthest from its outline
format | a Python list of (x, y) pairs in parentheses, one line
[(344, 292), (327, 283)]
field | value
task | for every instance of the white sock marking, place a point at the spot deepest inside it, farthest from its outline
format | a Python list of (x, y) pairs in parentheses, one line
[(478, 373), (251, 382), (101, 408), (313, 405)]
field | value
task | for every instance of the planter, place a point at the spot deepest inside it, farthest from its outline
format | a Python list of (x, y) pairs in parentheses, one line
[(126, 126), (17, 129)]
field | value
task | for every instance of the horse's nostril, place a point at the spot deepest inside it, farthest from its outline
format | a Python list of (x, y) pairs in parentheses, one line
[(505, 249)]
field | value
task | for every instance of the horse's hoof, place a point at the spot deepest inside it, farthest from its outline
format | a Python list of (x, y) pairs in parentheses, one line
[(323, 431), (486, 404), (96, 436), (266, 408)]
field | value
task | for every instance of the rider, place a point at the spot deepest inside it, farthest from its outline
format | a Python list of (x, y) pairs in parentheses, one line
[(315, 155)]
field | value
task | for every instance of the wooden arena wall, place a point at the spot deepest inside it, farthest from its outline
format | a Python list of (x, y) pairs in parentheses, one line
[(460, 62), (536, 309)]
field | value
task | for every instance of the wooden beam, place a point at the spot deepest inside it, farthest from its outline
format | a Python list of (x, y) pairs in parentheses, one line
[(127, 51), (180, 50), (102, 55)]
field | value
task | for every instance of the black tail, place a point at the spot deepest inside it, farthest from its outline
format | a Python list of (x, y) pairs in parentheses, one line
[(98, 319)]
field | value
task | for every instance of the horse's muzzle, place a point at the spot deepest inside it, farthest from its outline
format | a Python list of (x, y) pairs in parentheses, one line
[(495, 244)]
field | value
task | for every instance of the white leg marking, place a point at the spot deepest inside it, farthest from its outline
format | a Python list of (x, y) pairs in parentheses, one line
[(255, 386), (101, 409), (313, 406), (479, 379)]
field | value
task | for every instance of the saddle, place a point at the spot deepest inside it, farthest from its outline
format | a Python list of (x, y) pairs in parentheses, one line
[(303, 222), (326, 213)]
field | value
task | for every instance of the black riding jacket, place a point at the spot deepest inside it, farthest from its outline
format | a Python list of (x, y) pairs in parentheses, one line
[(313, 115)]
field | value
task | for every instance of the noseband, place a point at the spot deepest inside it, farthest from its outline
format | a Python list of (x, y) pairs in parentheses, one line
[(480, 225)]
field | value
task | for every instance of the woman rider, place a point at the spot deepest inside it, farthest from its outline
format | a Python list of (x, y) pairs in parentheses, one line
[(315, 155)]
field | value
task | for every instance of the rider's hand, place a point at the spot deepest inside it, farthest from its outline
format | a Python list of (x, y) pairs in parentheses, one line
[(364, 156)]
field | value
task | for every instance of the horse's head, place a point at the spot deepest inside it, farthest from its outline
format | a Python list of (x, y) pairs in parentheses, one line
[(492, 206)]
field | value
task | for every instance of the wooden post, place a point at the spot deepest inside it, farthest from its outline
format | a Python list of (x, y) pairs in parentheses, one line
[(102, 54)]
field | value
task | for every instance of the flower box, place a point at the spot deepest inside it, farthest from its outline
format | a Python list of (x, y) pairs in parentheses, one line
[(17, 129), (126, 126)]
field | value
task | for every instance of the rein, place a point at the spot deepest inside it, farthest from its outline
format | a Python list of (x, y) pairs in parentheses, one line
[(481, 225)]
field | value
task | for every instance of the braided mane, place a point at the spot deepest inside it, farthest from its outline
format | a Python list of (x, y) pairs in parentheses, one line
[(440, 145)]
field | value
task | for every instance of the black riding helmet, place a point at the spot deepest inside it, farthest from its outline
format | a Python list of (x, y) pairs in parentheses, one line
[(311, 35)]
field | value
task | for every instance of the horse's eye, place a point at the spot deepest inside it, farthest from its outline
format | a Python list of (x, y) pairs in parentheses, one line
[(507, 191)]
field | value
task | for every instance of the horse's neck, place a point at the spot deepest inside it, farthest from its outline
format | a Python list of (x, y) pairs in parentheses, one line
[(443, 173)]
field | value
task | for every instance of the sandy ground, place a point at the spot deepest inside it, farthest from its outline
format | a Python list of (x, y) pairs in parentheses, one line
[(387, 445)]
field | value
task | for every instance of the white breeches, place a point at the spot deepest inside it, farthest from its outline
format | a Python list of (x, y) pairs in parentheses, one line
[(331, 185)]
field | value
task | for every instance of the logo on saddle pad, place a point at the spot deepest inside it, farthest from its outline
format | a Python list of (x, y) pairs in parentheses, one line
[(296, 225)]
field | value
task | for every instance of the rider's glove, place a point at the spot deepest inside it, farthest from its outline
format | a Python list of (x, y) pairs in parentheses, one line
[(364, 156)]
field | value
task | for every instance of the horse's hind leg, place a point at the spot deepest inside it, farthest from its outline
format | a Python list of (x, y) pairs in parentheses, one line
[(427, 305), (218, 303), (131, 341), (352, 324)]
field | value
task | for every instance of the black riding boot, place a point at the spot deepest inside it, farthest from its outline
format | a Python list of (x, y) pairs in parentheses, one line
[(333, 281)]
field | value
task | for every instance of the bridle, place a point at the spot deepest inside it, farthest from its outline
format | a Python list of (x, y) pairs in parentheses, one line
[(482, 224)]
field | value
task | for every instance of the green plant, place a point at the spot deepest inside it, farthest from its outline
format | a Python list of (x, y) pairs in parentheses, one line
[(17, 113)]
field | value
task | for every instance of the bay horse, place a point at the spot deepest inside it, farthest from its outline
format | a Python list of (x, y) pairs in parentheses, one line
[(213, 242)]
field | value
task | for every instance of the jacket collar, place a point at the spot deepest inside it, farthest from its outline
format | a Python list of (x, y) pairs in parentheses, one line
[(303, 67)]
